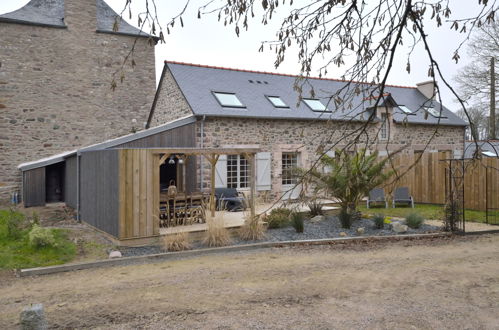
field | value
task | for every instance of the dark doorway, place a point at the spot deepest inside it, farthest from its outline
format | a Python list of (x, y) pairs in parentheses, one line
[(54, 183), (167, 173)]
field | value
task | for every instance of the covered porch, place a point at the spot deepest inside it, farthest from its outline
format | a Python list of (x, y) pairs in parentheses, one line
[(146, 209)]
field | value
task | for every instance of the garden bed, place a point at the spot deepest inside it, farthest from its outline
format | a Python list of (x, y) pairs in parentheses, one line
[(328, 228)]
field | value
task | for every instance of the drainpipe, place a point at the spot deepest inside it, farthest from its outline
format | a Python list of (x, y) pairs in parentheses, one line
[(78, 186), (202, 158)]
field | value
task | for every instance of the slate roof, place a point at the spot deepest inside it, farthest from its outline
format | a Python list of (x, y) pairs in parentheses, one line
[(51, 13), (38, 12), (197, 83), (490, 146)]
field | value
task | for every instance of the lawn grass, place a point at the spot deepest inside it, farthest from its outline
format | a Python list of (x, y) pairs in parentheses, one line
[(428, 211), (17, 253)]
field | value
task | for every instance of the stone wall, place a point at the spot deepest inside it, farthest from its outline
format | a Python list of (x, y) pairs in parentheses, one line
[(55, 90), (306, 137), (171, 103)]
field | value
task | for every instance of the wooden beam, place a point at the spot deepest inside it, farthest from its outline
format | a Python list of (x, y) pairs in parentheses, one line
[(212, 159), (252, 161), (204, 151), (163, 158)]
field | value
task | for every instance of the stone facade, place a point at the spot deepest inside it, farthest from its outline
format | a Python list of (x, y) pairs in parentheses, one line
[(171, 103), (55, 90), (306, 137)]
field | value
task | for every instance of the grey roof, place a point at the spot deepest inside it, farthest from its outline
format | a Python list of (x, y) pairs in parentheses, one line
[(38, 12), (51, 13), (105, 21), (198, 82), (107, 144), (491, 146)]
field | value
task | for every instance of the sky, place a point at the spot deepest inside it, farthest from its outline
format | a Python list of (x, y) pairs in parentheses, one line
[(207, 41)]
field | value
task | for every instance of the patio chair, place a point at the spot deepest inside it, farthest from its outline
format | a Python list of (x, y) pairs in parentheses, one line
[(401, 195), (230, 199), (377, 195)]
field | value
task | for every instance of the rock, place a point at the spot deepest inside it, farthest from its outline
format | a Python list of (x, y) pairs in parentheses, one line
[(318, 218), (115, 254), (343, 234), (33, 318), (399, 228), (361, 231)]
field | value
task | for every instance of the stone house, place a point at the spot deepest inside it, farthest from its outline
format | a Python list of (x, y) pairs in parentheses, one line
[(57, 60), (239, 108)]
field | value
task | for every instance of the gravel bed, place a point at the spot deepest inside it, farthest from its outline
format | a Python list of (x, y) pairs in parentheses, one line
[(328, 228)]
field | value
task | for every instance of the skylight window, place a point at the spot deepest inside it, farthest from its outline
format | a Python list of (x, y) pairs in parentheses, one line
[(315, 105), (489, 153), (228, 100), (405, 109), (434, 112), (277, 102)]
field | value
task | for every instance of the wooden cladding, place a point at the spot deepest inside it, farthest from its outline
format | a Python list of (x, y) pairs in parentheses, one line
[(427, 179), (34, 187), (139, 193)]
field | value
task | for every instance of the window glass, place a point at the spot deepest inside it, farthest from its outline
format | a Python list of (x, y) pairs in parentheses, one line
[(315, 105), (277, 102), (228, 100), (237, 172), (384, 127), (289, 163), (434, 112), (405, 109)]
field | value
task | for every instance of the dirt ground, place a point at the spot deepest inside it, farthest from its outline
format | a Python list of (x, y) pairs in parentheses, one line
[(437, 284)]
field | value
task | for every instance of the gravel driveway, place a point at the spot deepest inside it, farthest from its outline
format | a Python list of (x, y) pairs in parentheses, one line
[(423, 284)]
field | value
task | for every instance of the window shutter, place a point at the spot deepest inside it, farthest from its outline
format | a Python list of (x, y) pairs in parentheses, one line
[(221, 172), (263, 166)]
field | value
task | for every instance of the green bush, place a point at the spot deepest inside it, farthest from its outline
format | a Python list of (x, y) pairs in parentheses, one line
[(414, 220), (379, 221), (297, 222), (315, 208), (278, 217), (345, 219), (17, 224), (41, 237)]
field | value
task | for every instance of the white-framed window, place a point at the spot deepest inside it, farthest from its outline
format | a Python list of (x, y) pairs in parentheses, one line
[(384, 131), (228, 100), (315, 105), (289, 163), (237, 172)]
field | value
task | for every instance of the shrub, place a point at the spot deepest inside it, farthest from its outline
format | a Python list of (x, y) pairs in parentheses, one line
[(278, 218), (414, 220), (253, 229), (177, 242), (217, 234), (297, 222), (315, 208), (40, 237), (345, 219), (16, 224), (379, 221)]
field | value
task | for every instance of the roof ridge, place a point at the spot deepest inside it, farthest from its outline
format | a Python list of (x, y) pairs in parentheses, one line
[(276, 74)]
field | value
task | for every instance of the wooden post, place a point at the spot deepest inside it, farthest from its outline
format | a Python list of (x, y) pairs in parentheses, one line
[(212, 158)]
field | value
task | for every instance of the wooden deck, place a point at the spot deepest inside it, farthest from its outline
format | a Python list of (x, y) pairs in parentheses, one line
[(236, 219)]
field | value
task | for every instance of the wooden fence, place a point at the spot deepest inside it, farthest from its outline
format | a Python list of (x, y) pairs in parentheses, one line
[(428, 177)]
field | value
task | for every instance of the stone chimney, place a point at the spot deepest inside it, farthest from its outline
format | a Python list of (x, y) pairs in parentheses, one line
[(427, 88)]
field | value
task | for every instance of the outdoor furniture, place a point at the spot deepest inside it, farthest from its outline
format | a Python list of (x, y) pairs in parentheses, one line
[(181, 209), (401, 195), (230, 199), (377, 195)]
